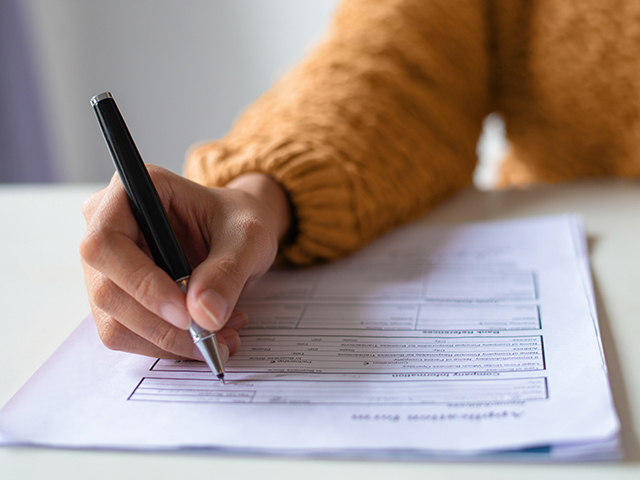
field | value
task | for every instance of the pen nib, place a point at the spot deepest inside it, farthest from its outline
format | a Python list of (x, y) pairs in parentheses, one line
[(221, 377)]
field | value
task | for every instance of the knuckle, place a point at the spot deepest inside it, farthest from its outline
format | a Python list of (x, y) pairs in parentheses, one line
[(115, 179), (154, 169), (158, 174), (141, 282), (260, 241), (166, 337), (252, 226), (88, 207), (231, 271), (112, 333), (91, 246), (103, 293)]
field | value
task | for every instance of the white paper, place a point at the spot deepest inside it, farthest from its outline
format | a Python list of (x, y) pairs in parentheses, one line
[(432, 341)]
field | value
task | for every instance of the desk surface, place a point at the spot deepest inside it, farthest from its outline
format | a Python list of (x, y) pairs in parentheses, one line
[(43, 299)]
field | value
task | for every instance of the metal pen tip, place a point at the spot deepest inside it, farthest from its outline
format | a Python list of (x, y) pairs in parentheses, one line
[(208, 347), (221, 378)]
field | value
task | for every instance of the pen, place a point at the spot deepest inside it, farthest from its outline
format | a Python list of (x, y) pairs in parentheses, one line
[(150, 214)]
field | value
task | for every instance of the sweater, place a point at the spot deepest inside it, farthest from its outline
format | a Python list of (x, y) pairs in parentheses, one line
[(380, 123)]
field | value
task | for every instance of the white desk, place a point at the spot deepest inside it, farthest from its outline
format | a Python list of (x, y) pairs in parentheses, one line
[(43, 299)]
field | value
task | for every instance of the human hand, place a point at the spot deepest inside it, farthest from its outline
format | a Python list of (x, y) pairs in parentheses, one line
[(229, 235)]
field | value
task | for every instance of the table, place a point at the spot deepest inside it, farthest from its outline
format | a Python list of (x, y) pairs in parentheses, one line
[(43, 299)]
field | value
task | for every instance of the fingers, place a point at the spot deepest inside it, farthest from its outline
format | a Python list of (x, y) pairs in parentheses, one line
[(238, 320), (117, 337), (107, 297), (144, 333), (216, 284), (259, 217), (91, 204), (231, 235), (110, 245), (229, 334)]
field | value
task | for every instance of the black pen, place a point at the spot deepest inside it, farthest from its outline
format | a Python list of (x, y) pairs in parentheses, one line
[(150, 214)]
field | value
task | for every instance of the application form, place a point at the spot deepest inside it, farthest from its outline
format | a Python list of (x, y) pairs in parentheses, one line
[(433, 341)]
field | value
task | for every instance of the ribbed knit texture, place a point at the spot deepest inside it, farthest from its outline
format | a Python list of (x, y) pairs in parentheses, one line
[(381, 122)]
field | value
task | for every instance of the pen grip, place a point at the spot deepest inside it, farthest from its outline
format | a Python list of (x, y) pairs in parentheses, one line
[(143, 196)]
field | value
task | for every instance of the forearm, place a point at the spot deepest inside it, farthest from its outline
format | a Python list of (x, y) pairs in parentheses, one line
[(376, 127)]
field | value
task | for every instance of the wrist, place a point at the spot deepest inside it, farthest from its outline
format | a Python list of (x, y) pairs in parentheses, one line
[(271, 194)]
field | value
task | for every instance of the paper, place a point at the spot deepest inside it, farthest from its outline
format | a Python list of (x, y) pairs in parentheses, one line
[(431, 342)]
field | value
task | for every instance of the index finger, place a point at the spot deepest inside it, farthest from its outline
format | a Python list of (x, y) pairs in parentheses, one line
[(93, 202), (111, 246)]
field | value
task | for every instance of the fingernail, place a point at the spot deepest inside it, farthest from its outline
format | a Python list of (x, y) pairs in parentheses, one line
[(176, 315), (233, 342), (224, 352), (238, 320), (214, 306)]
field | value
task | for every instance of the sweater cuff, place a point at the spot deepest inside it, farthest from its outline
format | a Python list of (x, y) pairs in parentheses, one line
[(317, 185)]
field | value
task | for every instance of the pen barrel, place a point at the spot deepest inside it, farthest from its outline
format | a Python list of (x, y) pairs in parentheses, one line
[(143, 196)]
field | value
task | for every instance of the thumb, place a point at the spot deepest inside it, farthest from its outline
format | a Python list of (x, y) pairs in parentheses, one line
[(214, 288)]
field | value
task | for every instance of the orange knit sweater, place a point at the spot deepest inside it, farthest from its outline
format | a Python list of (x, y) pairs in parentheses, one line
[(380, 123)]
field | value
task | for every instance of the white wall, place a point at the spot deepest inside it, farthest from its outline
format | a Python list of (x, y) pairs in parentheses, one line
[(181, 71)]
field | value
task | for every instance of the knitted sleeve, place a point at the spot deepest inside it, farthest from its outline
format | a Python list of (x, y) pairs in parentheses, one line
[(377, 126)]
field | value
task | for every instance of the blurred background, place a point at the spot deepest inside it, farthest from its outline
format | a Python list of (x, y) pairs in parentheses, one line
[(181, 72)]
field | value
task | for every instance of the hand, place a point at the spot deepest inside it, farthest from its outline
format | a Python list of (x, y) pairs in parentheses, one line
[(229, 235)]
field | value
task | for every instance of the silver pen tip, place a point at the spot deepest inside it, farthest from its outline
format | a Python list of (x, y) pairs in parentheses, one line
[(221, 377), (208, 347)]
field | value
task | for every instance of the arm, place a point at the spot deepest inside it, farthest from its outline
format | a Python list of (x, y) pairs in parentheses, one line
[(376, 127)]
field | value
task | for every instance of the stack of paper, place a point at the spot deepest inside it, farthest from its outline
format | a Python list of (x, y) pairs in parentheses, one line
[(433, 342)]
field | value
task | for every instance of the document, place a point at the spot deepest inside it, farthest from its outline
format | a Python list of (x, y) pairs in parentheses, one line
[(459, 341)]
